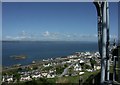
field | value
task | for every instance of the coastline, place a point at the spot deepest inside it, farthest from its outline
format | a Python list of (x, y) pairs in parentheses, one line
[(40, 62), (42, 50)]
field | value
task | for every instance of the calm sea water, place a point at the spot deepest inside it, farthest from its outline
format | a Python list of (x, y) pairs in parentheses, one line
[(42, 50)]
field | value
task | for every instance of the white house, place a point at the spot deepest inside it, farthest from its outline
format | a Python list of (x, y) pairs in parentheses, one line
[(77, 68), (68, 61), (36, 76), (51, 71), (81, 73), (50, 76), (44, 74), (89, 56), (9, 79), (47, 65), (25, 78), (97, 67), (81, 61), (89, 70), (3, 79)]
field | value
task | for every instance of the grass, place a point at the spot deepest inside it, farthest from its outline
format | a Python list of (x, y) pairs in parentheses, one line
[(62, 80), (74, 79)]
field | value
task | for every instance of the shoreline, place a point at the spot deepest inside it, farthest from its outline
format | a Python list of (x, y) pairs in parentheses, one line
[(44, 60), (43, 50)]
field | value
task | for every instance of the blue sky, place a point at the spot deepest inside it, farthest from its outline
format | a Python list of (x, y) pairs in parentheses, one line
[(54, 21)]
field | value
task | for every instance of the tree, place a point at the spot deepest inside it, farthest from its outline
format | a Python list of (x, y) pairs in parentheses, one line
[(16, 76), (87, 66), (59, 70), (19, 69), (92, 62), (82, 65)]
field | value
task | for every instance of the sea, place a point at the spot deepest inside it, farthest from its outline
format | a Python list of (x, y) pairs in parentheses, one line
[(39, 50)]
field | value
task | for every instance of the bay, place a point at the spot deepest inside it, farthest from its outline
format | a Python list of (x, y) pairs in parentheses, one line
[(38, 50)]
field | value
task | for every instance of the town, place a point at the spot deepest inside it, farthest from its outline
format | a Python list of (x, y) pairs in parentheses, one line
[(72, 65)]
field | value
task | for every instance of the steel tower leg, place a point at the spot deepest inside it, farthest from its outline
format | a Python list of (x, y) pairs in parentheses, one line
[(119, 41), (104, 40), (114, 68), (119, 62), (107, 62)]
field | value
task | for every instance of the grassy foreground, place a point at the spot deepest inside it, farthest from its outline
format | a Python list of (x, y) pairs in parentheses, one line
[(85, 79)]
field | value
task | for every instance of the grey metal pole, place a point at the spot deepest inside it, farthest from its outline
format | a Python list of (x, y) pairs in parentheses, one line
[(104, 40), (98, 6), (119, 41), (100, 30), (108, 61), (114, 68), (119, 61)]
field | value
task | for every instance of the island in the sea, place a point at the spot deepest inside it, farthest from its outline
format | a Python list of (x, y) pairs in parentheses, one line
[(18, 57)]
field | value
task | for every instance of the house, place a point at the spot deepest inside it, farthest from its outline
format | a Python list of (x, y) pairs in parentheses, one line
[(7, 79), (47, 65), (97, 67), (10, 79), (89, 70), (90, 56), (24, 78), (81, 61), (3, 79), (44, 74), (51, 71), (77, 68), (36, 76), (50, 76), (68, 61), (81, 73)]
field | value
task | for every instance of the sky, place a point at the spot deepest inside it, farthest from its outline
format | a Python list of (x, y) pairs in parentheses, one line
[(54, 21)]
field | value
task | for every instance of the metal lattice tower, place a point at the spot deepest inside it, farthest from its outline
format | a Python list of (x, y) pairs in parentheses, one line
[(102, 8), (103, 38)]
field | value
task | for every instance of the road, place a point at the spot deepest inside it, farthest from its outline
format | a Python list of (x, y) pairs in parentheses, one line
[(67, 68)]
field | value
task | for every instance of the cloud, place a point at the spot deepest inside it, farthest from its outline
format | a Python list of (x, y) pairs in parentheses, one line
[(22, 36), (8, 37), (54, 36), (68, 36), (113, 36), (18, 38), (45, 34), (50, 35)]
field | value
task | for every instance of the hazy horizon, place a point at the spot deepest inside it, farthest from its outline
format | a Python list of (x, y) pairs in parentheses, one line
[(25, 21)]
